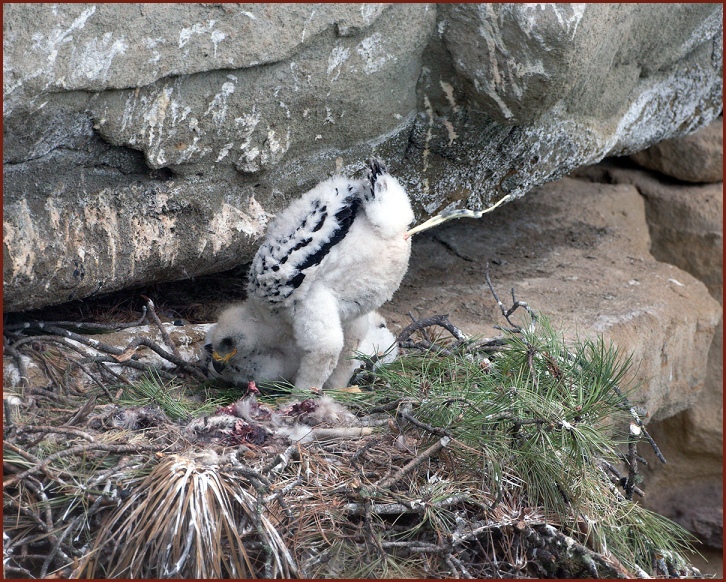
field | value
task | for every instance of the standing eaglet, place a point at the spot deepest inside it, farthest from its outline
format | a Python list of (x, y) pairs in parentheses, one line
[(329, 260)]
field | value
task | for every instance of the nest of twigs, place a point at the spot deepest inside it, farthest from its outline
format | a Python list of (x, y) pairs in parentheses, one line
[(507, 457)]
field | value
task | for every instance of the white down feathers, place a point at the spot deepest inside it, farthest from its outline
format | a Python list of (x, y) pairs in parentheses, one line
[(329, 260), (301, 235), (276, 356)]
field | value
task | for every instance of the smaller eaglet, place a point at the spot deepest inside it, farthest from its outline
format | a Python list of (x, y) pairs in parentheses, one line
[(241, 358), (329, 260)]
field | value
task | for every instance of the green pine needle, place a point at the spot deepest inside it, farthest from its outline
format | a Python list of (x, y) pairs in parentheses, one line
[(540, 415), (174, 398)]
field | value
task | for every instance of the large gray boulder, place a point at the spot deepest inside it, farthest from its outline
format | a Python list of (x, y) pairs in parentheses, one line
[(148, 142)]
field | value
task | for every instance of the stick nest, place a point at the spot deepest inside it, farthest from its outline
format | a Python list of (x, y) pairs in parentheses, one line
[(508, 457)]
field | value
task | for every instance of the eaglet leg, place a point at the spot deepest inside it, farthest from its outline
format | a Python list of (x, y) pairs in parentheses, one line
[(319, 337), (353, 332)]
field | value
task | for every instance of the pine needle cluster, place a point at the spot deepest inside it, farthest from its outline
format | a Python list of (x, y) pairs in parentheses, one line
[(187, 518), (538, 421)]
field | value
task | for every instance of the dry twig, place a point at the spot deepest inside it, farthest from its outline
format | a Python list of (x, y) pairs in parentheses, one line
[(428, 453), (422, 324), (78, 325), (162, 330), (515, 304)]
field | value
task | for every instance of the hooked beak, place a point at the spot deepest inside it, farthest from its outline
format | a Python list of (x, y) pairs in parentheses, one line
[(219, 363)]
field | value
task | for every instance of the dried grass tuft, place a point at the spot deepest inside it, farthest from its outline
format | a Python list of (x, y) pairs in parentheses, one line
[(189, 519)]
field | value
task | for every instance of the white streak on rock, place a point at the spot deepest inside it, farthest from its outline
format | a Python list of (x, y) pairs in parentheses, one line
[(369, 12), (185, 34), (189, 151), (337, 57), (286, 108), (128, 113), (218, 105), (305, 26), (568, 16), (47, 46), (296, 81), (217, 37), (275, 147), (224, 151), (94, 60), (373, 54), (248, 122), (151, 44), (53, 41), (229, 221), (155, 115), (247, 159)]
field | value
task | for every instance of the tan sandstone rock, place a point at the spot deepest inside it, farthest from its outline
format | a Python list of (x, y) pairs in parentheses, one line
[(694, 158), (686, 224)]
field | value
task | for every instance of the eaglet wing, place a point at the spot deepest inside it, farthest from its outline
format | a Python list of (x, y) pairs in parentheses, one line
[(302, 236)]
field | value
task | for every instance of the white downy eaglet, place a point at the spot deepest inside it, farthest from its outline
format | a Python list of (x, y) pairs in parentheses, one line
[(329, 260)]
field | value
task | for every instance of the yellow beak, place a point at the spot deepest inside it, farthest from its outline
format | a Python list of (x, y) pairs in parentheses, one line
[(220, 362), (224, 359)]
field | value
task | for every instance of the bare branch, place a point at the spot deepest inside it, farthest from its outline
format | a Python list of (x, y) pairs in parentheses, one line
[(428, 453), (78, 325), (440, 320), (401, 508), (515, 304), (427, 427), (157, 321), (639, 423), (57, 430)]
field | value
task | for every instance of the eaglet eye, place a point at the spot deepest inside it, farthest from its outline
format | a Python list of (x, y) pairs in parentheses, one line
[(227, 342)]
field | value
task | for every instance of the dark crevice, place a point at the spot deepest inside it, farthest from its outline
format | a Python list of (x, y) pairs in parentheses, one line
[(196, 299)]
